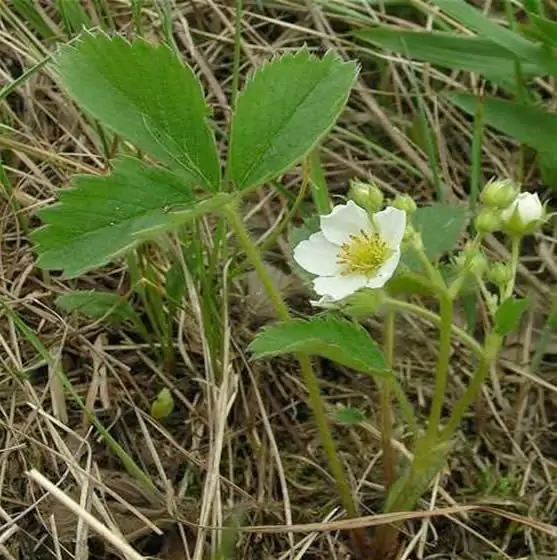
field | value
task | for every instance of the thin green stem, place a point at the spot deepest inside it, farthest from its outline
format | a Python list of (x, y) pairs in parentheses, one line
[(386, 417), (310, 379), (491, 348), (442, 368), (406, 408), (470, 341), (387, 535), (493, 342), (515, 257)]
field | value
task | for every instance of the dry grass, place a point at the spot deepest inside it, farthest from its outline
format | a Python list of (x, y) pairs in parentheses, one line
[(241, 448)]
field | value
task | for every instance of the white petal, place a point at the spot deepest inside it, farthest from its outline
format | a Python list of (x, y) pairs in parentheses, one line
[(529, 207), (338, 287), (317, 255), (385, 272), (390, 224), (345, 220)]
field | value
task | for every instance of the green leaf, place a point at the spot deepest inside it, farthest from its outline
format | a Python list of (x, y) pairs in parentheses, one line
[(440, 226), (97, 305), (146, 94), (338, 340), (284, 110), (449, 50), (102, 217), (349, 416), (507, 316), (517, 46), (528, 124), (546, 27)]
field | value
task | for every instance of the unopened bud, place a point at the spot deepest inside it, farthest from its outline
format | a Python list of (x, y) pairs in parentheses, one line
[(366, 195), (499, 193), (488, 220), (500, 274), (404, 202), (477, 265), (525, 215), (471, 260), (163, 405)]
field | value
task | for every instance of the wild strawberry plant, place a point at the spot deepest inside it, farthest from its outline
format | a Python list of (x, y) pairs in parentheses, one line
[(366, 254)]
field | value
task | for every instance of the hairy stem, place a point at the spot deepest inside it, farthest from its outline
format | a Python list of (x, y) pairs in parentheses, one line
[(442, 368), (386, 417), (470, 341)]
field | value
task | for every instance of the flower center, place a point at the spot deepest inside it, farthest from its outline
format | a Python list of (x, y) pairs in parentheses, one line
[(363, 254)]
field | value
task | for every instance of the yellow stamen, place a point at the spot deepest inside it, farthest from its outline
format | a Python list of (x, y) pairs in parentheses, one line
[(363, 254)]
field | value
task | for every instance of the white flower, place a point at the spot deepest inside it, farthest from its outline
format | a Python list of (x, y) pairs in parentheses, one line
[(352, 250), (524, 214)]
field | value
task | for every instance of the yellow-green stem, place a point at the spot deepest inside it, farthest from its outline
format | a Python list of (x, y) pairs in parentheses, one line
[(387, 534), (310, 379), (493, 342), (470, 341), (385, 396), (442, 368), (491, 348)]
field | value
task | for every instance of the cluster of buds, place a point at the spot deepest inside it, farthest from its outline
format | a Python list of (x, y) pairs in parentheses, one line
[(370, 197), (505, 208)]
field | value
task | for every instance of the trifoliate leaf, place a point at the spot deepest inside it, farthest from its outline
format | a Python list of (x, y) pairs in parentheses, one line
[(146, 94), (336, 339), (97, 305), (285, 108), (101, 217)]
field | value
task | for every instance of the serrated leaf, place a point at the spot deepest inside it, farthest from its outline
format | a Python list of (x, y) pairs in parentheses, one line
[(97, 305), (440, 226), (449, 50), (349, 416), (146, 94), (102, 216), (285, 108), (338, 340), (508, 315)]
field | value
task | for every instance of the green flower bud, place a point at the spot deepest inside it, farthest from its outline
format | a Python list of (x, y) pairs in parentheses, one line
[(366, 195), (477, 265), (500, 274), (413, 238), (525, 215), (471, 260), (404, 202), (499, 193), (163, 405), (488, 220)]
